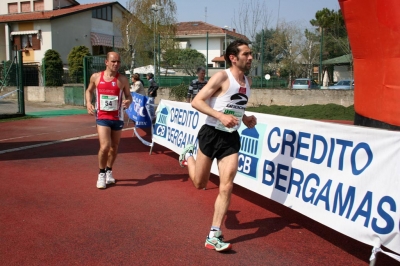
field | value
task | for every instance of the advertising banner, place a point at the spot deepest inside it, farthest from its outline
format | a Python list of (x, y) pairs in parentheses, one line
[(343, 176), (138, 112)]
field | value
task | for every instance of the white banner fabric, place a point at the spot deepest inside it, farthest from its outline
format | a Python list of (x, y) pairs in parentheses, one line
[(345, 177)]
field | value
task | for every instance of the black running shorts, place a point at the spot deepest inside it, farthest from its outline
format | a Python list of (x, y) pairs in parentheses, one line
[(218, 144)]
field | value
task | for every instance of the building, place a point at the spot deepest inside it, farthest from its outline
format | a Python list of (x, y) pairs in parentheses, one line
[(196, 34), (35, 26)]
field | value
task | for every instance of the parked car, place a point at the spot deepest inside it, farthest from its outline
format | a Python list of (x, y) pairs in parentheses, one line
[(346, 84), (304, 83)]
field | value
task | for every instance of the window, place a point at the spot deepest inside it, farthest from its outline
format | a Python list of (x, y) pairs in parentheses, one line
[(104, 13), (38, 5), (12, 8), (26, 6), (26, 41)]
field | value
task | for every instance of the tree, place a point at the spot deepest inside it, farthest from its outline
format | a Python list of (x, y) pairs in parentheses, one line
[(189, 60), (288, 44), (143, 26), (75, 62), (52, 68), (252, 17), (330, 25)]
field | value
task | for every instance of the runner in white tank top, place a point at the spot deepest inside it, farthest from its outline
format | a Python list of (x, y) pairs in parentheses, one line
[(223, 100), (233, 101)]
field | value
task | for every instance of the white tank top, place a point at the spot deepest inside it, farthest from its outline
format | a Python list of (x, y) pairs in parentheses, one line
[(233, 101)]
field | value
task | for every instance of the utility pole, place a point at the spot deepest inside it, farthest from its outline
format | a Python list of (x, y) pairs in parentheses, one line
[(155, 8)]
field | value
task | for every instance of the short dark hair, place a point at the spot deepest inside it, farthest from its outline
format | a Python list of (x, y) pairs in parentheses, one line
[(150, 75), (136, 76), (233, 49), (200, 69)]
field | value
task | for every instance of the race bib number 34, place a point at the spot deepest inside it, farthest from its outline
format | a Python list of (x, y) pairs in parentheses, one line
[(108, 102)]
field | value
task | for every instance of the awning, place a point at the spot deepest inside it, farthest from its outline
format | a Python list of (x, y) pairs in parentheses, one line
[(26, 32), (344, 59), (99, 39)]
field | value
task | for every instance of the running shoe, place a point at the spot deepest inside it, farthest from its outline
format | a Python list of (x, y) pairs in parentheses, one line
[(109, 178), (217, 242), (101, 181), (188, 149)]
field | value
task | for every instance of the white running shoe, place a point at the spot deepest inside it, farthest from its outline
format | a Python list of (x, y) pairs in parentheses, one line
[(101, 180), (217, 242), (188, 149), (109, 178)]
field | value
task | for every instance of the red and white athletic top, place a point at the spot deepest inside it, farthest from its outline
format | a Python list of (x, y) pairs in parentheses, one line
[(109, 99)]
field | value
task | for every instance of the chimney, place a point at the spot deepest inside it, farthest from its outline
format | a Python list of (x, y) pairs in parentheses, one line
[(234, 30)]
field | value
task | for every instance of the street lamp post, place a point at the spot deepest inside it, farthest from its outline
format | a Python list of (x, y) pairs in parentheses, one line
[(155, 8), (320, 56)]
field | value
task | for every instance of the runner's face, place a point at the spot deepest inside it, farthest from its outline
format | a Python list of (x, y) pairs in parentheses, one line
[(244, 58), (113, 63)]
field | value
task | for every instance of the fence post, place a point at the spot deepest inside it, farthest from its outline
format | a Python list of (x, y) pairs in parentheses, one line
[(44, 73), (21, 98)]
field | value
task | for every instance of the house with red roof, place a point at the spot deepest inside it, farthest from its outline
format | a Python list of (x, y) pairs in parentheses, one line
[(34, 26), (208, 39)]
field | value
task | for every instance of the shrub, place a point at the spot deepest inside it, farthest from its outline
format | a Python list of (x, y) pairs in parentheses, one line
[(52, 68)]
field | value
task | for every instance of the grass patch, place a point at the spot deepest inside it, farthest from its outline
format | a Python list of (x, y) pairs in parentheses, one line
[(313, 111)]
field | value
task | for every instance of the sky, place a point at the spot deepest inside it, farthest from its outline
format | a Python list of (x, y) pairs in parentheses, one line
[(221, 12)]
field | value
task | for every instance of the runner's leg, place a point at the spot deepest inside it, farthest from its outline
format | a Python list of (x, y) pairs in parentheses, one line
[(227, 168), (112, 154), (199, 169), (105, 145)]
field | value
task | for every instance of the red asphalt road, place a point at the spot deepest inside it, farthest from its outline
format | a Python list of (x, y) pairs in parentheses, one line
[(51, 212)]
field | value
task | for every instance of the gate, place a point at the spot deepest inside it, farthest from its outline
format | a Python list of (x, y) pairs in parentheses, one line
[(12, 99)]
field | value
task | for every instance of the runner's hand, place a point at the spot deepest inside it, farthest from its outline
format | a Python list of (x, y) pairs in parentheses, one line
[(229, 120), (249, 121), (90, 109), (126, 103)]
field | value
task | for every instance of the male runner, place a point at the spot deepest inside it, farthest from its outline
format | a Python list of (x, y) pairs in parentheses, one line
[(223, 100), (109, 87)]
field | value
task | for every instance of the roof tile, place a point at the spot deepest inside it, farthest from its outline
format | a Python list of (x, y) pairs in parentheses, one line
[(49, 14), (201, 28)]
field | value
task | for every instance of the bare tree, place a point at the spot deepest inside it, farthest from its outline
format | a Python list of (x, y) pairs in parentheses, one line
[(251, 17), (148, 20), (289, 43)]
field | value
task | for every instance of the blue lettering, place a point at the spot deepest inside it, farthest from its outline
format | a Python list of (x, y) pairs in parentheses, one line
[(301, 145), (338, 200), (279, 176), (270, 172), (278, 132), (325, 197), (297, 183), (321, 139), (345, 144), (312, 190), (365, 213), (388, 219), (368, 151), (289, 143)]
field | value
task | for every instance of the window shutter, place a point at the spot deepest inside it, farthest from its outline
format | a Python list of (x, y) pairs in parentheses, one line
[(17, 41), (35, 42)]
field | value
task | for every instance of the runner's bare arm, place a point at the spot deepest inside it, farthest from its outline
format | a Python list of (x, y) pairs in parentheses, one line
[(216, 85), (89, 93)]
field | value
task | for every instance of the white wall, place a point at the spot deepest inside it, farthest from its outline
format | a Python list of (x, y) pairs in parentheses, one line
[(342, 72), (214, 47), (66, 35)]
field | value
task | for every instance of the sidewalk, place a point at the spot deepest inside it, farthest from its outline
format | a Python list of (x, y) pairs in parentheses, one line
[(40, 109)]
